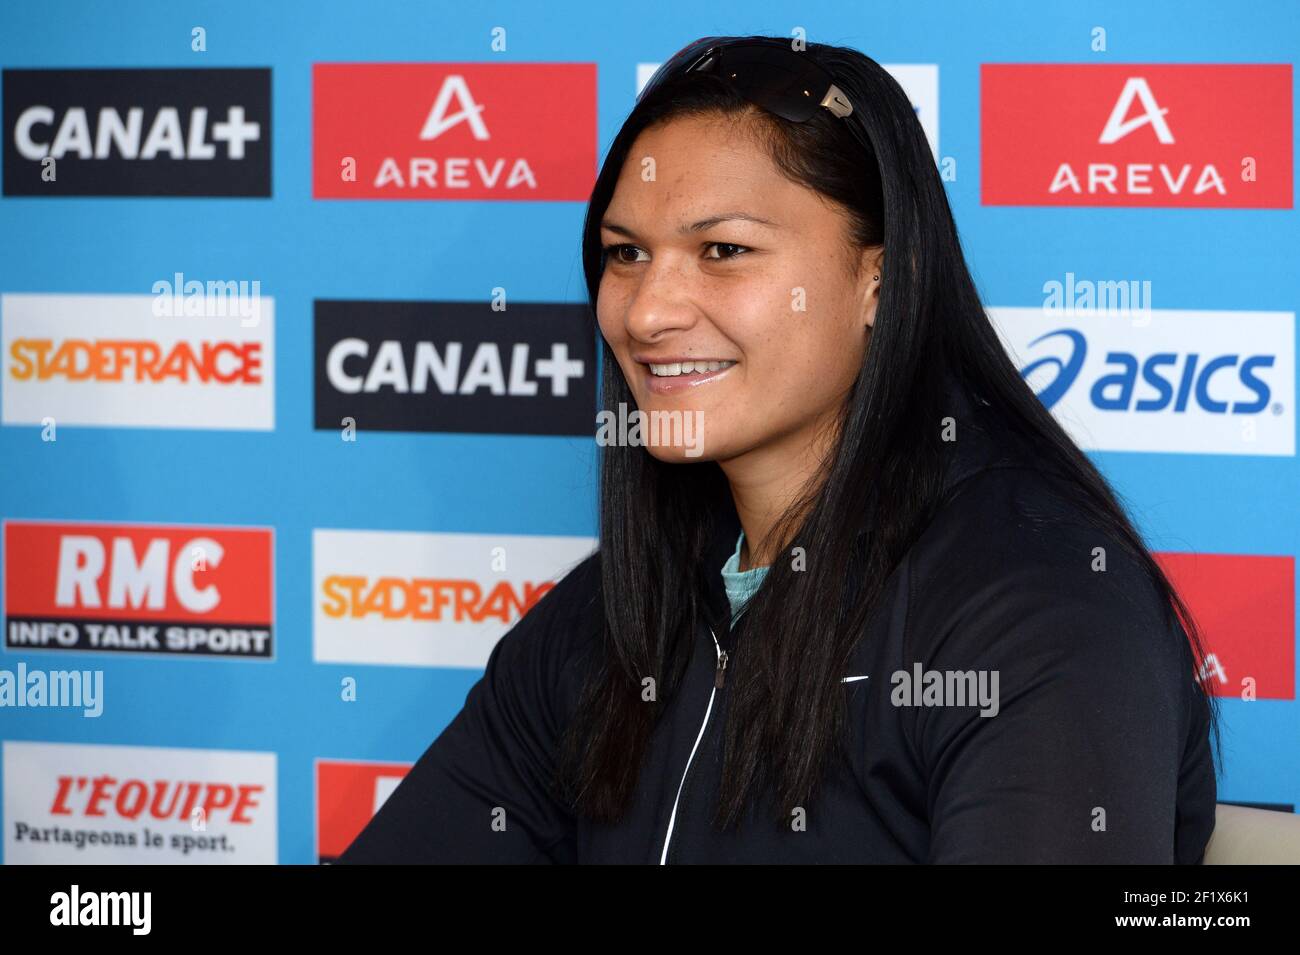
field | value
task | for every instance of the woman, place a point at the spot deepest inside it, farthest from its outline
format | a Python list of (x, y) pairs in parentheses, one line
[(936, 637)]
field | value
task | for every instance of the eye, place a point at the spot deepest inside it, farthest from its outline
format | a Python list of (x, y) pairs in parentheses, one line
[(727, 245), (729, 250), (616, 250)]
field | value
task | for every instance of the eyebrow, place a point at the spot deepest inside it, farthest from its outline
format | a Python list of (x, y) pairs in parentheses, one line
[(697, 226)]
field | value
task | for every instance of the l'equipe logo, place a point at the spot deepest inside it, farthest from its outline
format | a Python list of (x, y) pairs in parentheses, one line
[(98, 804)]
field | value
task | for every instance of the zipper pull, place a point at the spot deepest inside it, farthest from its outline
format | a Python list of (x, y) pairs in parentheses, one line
[(722, 669)]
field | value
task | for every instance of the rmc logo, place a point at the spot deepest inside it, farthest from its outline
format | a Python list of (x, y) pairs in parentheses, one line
[(1114, 391)]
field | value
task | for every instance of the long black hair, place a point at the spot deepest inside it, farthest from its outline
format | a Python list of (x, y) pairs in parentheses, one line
[(657, 519)]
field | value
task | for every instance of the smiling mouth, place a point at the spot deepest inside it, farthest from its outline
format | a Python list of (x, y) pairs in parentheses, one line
[(683, 377), (676, 369)]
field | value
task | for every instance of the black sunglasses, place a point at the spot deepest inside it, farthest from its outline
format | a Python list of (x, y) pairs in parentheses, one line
[(767, 72)]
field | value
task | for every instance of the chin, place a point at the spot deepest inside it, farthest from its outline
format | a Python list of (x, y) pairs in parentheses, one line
[(679, 455)]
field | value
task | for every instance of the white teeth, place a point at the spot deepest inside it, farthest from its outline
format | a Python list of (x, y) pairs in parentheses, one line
[(687, 368)]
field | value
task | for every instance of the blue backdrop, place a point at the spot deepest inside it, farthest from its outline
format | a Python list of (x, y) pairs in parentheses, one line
[(295, 478)]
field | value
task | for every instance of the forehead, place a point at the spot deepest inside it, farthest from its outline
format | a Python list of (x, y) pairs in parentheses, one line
[(701, 165)]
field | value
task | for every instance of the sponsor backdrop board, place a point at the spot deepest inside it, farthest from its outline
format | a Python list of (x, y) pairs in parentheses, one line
[(298, 384)]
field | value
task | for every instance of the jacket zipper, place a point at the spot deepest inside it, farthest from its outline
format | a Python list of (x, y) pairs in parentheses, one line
[(719, 677)]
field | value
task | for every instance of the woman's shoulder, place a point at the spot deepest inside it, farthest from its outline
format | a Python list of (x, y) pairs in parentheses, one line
[(1006, 511), (558, 630), (1016, 563), (1018, 581), (1016, 521)]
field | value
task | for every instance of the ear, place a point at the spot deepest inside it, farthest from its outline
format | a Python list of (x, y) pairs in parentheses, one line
[(873, 263)]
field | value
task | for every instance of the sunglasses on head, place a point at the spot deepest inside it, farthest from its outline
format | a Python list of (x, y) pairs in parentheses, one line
[(767, 72)]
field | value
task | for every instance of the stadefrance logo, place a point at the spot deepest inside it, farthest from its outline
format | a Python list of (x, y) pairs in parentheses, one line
[(1177, 379), (1160, 380)]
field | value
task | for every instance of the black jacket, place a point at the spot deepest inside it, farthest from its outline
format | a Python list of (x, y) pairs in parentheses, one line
[(1098, 751)]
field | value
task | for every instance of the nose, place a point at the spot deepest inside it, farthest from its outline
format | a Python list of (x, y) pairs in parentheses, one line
[(664, 301)]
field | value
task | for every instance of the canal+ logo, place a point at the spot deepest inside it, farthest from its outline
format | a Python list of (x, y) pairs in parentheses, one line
[(1162, 380)]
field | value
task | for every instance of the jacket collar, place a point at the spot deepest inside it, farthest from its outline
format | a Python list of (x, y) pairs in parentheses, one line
[(981, 442)]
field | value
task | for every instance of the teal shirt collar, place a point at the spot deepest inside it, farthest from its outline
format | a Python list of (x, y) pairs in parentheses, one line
[(740, 586)]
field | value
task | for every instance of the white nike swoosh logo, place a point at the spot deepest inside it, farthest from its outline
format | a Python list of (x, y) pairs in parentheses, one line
[(851, 679)]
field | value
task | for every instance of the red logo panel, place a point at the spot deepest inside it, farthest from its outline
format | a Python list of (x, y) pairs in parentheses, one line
[(139, 588), (347, 796), (1245, 607), (514, 131), (1215, 136)]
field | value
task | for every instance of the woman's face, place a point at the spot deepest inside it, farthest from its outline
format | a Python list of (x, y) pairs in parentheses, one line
[(714, 256)]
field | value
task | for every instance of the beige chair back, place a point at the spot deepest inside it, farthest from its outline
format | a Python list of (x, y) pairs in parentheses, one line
[(1247, 836)]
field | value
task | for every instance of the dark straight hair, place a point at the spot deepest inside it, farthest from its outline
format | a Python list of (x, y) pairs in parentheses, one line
[(886, 468)]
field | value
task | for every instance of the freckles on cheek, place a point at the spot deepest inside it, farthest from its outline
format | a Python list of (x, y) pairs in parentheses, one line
[(607, 322), (611, 310), (608, 331)]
